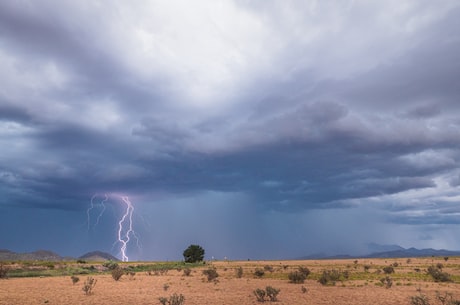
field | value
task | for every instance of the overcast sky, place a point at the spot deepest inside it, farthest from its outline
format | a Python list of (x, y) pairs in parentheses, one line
[(257, 129)]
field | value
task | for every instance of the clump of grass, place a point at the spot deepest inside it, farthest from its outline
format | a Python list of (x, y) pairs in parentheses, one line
[(260, 295), (88, 286)]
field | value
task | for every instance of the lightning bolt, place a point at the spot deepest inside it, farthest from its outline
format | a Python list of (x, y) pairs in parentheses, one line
[(125, 224), (125, 238), (103, 209)]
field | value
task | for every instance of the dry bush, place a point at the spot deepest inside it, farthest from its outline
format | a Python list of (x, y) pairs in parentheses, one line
[(297, 277), (387, 282), (175, 299), (269, 292), (117, 273), (420, 299), (438, 275), (259, 273), (74, 279), (187, 271), (89, 285), (3, 271), (211, 274), (239, 272), (329, 277), (388, 269)]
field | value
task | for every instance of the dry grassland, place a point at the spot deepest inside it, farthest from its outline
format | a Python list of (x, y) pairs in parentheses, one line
[(362, 287)]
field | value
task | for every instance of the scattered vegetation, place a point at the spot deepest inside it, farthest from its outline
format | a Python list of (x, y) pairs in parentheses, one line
[(269, 292), (211, 274), (89, 285)]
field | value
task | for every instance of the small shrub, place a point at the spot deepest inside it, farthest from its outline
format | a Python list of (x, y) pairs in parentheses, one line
[(395, 264), (272, 293), (4, 271), (74, 279), (260, 295), (329, 277), (446, 258), (268, 268), (438, 275), (387, 282), (305, 271), (187, 271), (239, 272), (419, 300), (366, 268), (166, 287), (388, 270), (304, 289), (111, 265), (297, 277), (174, 299), (117, 273), (211, 274), (259, 273), (88, 286), (439, 266), (80, 261)]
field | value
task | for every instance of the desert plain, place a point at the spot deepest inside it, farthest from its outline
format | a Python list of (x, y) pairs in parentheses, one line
[(361, 285)]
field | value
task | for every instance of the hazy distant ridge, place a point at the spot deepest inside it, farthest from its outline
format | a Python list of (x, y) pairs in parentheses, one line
[(45, 255)]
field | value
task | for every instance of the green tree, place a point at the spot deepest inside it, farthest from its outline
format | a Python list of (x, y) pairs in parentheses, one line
[(193, 254)]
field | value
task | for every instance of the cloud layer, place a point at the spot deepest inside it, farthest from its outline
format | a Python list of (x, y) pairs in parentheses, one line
[(246, 124)]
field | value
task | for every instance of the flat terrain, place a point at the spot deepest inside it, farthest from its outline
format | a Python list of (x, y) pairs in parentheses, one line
[(361, 285)]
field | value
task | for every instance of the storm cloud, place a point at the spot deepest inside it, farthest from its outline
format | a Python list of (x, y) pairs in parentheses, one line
[(242, 126)]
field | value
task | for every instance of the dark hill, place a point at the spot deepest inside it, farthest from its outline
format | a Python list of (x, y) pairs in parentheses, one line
[(98, 256)]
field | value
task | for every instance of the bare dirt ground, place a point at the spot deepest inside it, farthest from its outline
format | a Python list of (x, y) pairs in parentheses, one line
[(361, 288)]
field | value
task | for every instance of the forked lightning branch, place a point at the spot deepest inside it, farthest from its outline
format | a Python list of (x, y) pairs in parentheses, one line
[(125, 231)]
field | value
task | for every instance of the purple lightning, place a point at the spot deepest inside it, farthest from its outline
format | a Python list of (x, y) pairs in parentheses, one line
[(125, 224)]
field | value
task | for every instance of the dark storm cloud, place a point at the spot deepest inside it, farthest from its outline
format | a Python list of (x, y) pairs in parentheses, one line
[(306, 109)]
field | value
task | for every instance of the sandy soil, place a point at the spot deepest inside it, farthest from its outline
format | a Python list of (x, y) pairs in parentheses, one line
[(146, 289)]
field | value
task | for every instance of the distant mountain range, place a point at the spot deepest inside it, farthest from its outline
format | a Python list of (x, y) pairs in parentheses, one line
[(45, 255), (388, 251)]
